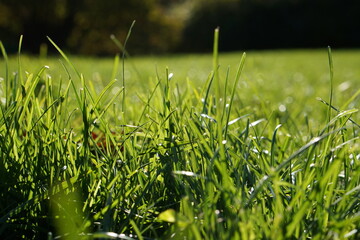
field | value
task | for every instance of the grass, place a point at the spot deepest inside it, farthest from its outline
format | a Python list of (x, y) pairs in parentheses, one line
[(221, 147)]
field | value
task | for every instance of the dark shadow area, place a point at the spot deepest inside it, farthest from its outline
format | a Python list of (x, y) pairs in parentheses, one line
[(85, 26), (275, 24)]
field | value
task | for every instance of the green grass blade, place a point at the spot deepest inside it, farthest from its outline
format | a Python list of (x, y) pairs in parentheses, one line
[(237, 78), (331, 70), (64, 56)]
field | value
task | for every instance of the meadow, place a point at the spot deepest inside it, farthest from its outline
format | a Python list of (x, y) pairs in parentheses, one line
[(202, 146)]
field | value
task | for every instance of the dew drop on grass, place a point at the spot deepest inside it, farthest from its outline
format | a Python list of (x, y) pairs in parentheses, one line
[(170, 76), (282, 108)]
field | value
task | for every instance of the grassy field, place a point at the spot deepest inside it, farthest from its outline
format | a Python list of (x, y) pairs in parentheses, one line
[(181, 147)]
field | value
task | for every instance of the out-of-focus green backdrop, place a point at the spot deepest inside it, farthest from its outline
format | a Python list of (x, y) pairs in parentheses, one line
[(168, 26)]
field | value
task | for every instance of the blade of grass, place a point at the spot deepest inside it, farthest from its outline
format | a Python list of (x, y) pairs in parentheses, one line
[(331, 70), (30, 92), (238, 74), (337, 110), (65, 57), (286, 162), (7, 80)]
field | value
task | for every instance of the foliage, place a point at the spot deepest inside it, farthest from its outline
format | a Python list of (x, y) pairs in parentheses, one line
[(182, 161), (85, 26)]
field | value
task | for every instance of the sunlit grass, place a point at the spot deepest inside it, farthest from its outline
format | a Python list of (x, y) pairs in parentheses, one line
[(248, 154)]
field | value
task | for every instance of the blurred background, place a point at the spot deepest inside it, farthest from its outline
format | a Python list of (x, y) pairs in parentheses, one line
[(174, 26)]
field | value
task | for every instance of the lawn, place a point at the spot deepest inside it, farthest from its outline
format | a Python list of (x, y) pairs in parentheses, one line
[(181, 147)]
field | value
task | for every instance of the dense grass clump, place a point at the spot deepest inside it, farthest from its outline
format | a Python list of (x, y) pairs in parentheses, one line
[(172, 160)]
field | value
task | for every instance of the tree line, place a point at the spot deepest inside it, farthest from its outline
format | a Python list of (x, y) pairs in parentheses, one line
[(162, 26), (85, 26)]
